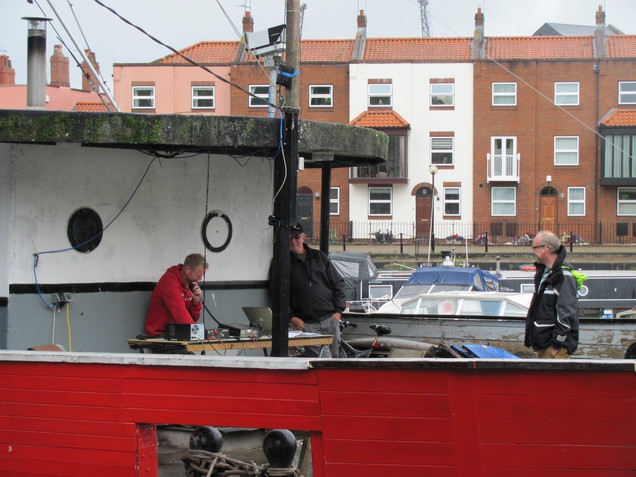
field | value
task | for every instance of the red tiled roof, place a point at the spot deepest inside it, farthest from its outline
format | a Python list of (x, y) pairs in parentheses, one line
[(621, 46), (85, 106), (620, 117), (206, 52), (417, 49), (380, 120), (539, 47), (326, 51)]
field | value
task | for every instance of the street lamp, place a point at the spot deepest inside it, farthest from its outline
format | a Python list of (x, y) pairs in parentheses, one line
[(433, 170)]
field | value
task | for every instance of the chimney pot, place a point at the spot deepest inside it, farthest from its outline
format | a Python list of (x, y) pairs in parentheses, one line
[(7, 73)]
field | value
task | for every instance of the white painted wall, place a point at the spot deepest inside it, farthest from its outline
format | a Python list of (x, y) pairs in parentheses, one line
[(411, 101), (160, 226)]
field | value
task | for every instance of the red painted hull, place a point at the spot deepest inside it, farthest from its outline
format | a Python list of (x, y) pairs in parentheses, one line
[(96, 414)]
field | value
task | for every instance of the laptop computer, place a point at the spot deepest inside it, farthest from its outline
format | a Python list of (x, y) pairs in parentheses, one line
[(260, 317)]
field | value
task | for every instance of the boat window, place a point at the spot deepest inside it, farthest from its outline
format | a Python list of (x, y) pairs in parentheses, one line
[(440, 288), (515, 310), (490, 308), (380, 291), (412, 290), (447, 307)]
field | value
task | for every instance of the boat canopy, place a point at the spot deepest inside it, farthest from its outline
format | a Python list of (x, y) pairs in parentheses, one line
[(480, 279)]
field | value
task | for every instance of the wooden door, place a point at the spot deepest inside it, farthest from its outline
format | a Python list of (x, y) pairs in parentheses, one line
[(548, 212), (423, 208)]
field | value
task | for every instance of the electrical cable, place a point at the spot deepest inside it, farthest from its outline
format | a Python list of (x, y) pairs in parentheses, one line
[(186, 58), (36, 255), (68, 327)]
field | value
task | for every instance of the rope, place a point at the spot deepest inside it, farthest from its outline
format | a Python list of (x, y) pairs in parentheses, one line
[(202, 463)]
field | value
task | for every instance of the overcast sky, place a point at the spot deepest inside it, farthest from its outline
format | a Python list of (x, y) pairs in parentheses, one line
[(181, 23)]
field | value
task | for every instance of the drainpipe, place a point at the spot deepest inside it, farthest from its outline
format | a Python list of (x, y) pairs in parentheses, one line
[(36, 59)]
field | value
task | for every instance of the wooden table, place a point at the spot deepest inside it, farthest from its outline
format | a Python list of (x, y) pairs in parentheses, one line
[(225, 344)]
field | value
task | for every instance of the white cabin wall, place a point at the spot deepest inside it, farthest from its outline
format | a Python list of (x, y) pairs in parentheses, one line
[(160, 226)]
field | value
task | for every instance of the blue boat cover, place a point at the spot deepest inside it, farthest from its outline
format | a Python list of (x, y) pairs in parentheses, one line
[(484, 351), (480, 279)]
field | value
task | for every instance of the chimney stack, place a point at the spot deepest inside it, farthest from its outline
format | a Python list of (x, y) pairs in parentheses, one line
[(59, 68), (599, 34), (361, 38), (248, 23), (36, 67), (7, 73), (478, 43), (87, 76)]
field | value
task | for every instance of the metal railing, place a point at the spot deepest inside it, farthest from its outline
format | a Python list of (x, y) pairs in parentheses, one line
[(484, 233)]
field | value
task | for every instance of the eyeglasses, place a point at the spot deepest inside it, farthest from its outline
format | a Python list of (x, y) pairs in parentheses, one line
[(538, 246)]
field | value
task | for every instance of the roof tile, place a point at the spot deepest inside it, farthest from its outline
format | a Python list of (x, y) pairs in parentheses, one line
[(620, 117), (539, 47), (380, 120), (417, 49)]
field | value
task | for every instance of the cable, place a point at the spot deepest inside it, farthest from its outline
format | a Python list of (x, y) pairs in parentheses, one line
[(36, 255), (189, 60), (68, 327)]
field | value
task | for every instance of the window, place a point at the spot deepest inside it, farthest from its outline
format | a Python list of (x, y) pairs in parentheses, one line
[(627, 92), (626, 201), (504, 94), (380, 94), (566, 94), (442, 94), (442, 150), (334, 201), (451, 201), (320, 96), (395, 165), (504, 201), (576, 200), (203, 97), (143, 97), (503, 160), (262, 93), (380, 200), (619, 156), (566, 150)]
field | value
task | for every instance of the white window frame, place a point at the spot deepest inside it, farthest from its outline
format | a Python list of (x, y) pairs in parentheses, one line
[(631, 203), (254, 102), (196, 98), (576, 201), (388, 201), (322, 100), (504, 94), (560, 151), (447, 201), (503, 202), (565, 97), (627, 92), (380, 90), (334, 201), (450, 94), (443, 145), (136, 97)]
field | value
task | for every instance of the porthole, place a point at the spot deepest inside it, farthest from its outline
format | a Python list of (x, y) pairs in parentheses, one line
[(85, 230)]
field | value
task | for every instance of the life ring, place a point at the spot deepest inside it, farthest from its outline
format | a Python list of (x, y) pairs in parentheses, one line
[(204, 231)]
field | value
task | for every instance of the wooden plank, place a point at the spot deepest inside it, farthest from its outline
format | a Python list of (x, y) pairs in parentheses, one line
[(212, 387), (363, 469), (74, 426), (384, 404), (211, 417), (532, 430), (388, 427), (383, 380), (48, 396), (63, 383), (37, 466), (390, 452), (75, 370), (64, 440), (89, 413)]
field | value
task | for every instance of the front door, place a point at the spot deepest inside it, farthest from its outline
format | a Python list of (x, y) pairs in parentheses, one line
[(305, 212), (423, 209), (548, 209)]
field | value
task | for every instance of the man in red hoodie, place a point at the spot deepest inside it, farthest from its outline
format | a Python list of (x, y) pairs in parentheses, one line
[(177, 296)]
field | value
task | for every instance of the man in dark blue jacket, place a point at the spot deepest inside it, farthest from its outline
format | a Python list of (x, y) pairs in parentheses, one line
[(317, 296), (552, 325)]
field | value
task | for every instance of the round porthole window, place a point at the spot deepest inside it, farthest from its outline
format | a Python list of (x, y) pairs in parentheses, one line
[(216, 231), (85, 230)]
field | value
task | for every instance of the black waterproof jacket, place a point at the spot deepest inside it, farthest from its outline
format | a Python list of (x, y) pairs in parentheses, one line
[(553, 317), (316, 287)]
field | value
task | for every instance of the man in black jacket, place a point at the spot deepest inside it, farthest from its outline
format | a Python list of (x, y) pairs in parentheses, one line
[(317, 297), (552, 325)]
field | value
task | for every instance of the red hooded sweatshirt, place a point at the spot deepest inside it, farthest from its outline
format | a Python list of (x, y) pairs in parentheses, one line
[(171, 302)]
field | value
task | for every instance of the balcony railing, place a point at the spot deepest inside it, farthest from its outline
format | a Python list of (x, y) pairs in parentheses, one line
[(503, 167)]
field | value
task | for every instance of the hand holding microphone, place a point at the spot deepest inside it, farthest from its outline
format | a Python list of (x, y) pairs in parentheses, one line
[(195, 290)]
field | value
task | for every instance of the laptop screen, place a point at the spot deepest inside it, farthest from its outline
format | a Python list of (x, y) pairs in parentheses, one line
[(259, 317)]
